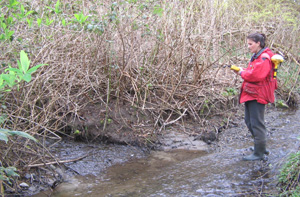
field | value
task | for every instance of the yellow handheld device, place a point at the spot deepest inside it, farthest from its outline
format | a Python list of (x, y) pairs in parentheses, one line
[(235, 68)]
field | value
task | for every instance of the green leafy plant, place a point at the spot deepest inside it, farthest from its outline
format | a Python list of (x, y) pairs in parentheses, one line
[(48, 21), (77, 132), (204, 106), (7, 33), (23, 13), (16, 75), (230, 92), (158, 11), (29, 21), (14, 13), (80, 18), (289, 176), (281, 104), (113, 15), (5, 133), (39, 21), (12, 4), (11, 78), (63, 22), (56, 9), (6, 173)]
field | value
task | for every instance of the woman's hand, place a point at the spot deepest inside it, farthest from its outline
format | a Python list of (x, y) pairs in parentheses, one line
[(239, 71)]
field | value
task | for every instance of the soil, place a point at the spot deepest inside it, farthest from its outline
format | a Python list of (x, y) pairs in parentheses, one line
[(126, 124)]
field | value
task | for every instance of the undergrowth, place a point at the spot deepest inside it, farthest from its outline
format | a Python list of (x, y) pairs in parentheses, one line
[(289, 176), (133, 68)]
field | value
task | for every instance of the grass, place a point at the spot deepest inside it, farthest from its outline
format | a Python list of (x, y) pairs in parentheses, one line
[(289, 176)]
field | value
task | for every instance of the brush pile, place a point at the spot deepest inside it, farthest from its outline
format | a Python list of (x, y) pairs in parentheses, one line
[(126, 71)]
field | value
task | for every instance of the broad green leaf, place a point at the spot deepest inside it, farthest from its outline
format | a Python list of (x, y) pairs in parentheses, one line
[(85, 18), (6, 77), (3, 137), (24, 61), (13, 3), (3, 25), (14, 70), (10, 20), (49, 22), (22, 9), (39, 21), (50, 8), (77, 17), (11, 171), (29, 12), (29, 22), (33, 69), (9, 78), (3, 117), (19, 64), (22, 134), (10, 33), (27, 77), (57, 7), (63, 22), (3, 178), (5, 131), (158, 11)]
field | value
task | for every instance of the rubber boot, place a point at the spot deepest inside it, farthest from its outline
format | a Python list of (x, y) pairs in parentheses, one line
[(258, 154), (267, 152)]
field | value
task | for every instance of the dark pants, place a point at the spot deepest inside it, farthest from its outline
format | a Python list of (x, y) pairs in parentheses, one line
[(255, 121)]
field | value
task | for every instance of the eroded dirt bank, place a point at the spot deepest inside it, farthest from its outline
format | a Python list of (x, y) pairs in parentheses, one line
[(187, 166)]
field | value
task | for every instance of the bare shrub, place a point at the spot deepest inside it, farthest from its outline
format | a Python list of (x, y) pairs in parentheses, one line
[(163, 60)]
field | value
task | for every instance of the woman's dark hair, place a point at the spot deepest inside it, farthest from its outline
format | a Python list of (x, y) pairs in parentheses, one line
[(257, 37)]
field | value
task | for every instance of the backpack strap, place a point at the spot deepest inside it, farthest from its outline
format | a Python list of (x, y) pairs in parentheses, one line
[(256, 55), (265, 56)]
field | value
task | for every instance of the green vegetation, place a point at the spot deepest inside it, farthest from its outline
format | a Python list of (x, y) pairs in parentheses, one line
[(15, 75), (289, 176), (281, 104), (4, 133), (8, 173), (9, 79), (289, 76), (230, 92)]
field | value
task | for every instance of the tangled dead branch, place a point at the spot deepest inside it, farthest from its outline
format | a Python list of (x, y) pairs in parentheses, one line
[(139, 75)]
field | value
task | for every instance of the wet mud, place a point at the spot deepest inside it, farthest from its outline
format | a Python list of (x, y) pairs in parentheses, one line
[(188, 168)]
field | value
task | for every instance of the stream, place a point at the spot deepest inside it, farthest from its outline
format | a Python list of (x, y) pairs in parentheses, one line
[(215, 170)]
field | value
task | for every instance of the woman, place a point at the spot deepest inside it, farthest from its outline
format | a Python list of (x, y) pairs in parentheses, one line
[(257, 90)]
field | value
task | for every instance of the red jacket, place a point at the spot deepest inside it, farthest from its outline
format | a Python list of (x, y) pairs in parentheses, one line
[(258, 79)]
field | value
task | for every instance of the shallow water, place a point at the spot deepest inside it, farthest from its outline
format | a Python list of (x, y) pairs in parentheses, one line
[(198, 173)]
